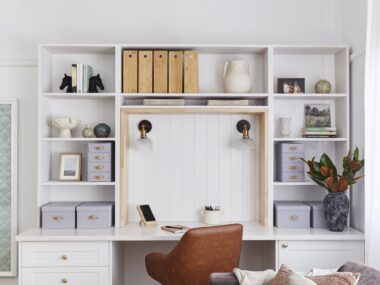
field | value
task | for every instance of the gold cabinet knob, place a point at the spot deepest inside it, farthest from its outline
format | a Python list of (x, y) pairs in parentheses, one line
[(284, 245), (99, 148), (93, 217), (64, 280), (99, 157), (64, 257), (99, 177), (99, 167), (57, 218), (294, 217)]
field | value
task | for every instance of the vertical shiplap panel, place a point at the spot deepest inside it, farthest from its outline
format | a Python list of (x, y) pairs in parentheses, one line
[(188, 164), (194, 163), (200, 156), (237, 175), (212, 160), (225, 136), (176, 173)]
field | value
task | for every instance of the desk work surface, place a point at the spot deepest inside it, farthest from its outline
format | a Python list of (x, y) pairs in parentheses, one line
[(135, 232)]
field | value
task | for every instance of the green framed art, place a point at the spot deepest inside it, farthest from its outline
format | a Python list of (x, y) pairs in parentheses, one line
[(8, 187)]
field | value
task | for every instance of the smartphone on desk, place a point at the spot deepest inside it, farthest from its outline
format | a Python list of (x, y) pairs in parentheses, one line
[(175, 229)]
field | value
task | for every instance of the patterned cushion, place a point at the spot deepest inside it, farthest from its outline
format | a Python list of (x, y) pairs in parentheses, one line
[(294, 278), (337, 278)]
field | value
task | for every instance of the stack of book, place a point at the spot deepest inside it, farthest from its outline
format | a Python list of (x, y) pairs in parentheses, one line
[(319, 132), (80, 74)]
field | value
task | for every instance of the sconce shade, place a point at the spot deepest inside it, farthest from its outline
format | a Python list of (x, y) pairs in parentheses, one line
[(143, 143), (245, 142)]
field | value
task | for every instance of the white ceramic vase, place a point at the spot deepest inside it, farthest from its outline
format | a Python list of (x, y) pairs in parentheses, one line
[(285, 127), (236, 77)]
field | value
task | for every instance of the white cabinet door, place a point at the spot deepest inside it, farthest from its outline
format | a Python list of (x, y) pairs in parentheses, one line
[(305, 255), (66, 275), (50, 254)]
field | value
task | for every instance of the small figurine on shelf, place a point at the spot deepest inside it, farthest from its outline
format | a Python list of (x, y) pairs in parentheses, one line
[(94, 82), (67, 81)]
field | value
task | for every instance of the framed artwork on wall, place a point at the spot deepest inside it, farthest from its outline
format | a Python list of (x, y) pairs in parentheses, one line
[(8, 186)]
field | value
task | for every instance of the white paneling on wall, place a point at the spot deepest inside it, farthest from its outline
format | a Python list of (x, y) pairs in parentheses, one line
[(195, 163)]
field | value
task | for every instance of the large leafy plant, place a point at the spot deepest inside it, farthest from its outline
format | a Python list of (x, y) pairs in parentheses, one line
[(325, 174)]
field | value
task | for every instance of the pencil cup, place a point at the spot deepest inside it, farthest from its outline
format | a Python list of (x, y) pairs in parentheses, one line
[(212, 217)]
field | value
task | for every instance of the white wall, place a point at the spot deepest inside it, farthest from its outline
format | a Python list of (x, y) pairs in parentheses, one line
[(24, 24), (353, 23)]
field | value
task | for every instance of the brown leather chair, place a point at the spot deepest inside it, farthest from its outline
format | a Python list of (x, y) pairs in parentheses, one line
[(200, 252)]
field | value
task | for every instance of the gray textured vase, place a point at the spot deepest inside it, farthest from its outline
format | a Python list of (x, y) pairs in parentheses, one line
[(102, 130), (336, 207)]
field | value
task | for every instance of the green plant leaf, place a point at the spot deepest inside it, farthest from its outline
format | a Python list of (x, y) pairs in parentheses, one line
[(331, 165), (362, 162), (320, 183), (356, 153)]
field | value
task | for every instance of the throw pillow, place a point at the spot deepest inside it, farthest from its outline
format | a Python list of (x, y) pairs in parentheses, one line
[(338, 278), (293, 278), (279, 279), (253, 277)]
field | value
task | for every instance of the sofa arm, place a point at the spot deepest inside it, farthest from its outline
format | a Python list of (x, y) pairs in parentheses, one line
[(223, 279)]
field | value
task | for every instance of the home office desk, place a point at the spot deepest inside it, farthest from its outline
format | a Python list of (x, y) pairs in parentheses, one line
[(116, 256)]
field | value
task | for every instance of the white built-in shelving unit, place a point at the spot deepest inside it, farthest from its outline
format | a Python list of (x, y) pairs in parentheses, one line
[(267, 63)]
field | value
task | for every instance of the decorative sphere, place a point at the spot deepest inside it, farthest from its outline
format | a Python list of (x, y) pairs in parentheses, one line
[(322, 87), (102, 130)]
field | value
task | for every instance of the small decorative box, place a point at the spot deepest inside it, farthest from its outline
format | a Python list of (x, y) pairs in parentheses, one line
[(291, 214), (95, 215), (59, 215), (289, 167), (317, 216)]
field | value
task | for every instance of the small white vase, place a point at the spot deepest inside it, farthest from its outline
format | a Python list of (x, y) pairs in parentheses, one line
[(285, 127), (236, 77)]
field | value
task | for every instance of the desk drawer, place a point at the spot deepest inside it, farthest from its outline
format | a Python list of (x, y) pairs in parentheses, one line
[(50, 254), (68, 275), (304, 255)]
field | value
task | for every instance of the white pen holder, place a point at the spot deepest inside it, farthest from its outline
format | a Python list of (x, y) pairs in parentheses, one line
[(212, 217)]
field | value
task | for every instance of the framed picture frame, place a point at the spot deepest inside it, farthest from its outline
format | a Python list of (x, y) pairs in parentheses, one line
[(8, 189), (70, 166), (318, 116), (291, 85)]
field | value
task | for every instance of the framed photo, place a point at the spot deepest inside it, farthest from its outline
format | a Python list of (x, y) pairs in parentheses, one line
[(70, 165), (317, 116), (291, 85)]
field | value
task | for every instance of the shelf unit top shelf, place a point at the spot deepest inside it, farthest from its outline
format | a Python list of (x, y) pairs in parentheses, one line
[(76, 139), (332, 96), (305, 183), (76, 183), (57, 95), (310, 139)]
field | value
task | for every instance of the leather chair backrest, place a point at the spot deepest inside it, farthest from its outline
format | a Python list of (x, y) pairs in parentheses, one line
[(203, 251)]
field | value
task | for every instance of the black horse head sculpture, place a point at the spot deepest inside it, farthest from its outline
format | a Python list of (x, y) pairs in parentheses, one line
[(67, 81), (94, 82)]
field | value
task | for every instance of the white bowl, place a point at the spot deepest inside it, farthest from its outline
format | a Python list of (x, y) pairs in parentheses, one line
[(64, 125)]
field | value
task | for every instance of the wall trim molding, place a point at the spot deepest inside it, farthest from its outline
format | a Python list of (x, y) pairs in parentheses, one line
[(24, 63), (357, 54)]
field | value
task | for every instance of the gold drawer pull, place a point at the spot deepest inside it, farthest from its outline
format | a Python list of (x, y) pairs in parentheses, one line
[(293, 148), (293, 177), (64, 257), (99, 148), (293, 167), (99, 167), (99, 177), (64, 280), (294, 217), (93, 217), (99, 157), (57, 218), (293, 158), (284, 245)]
